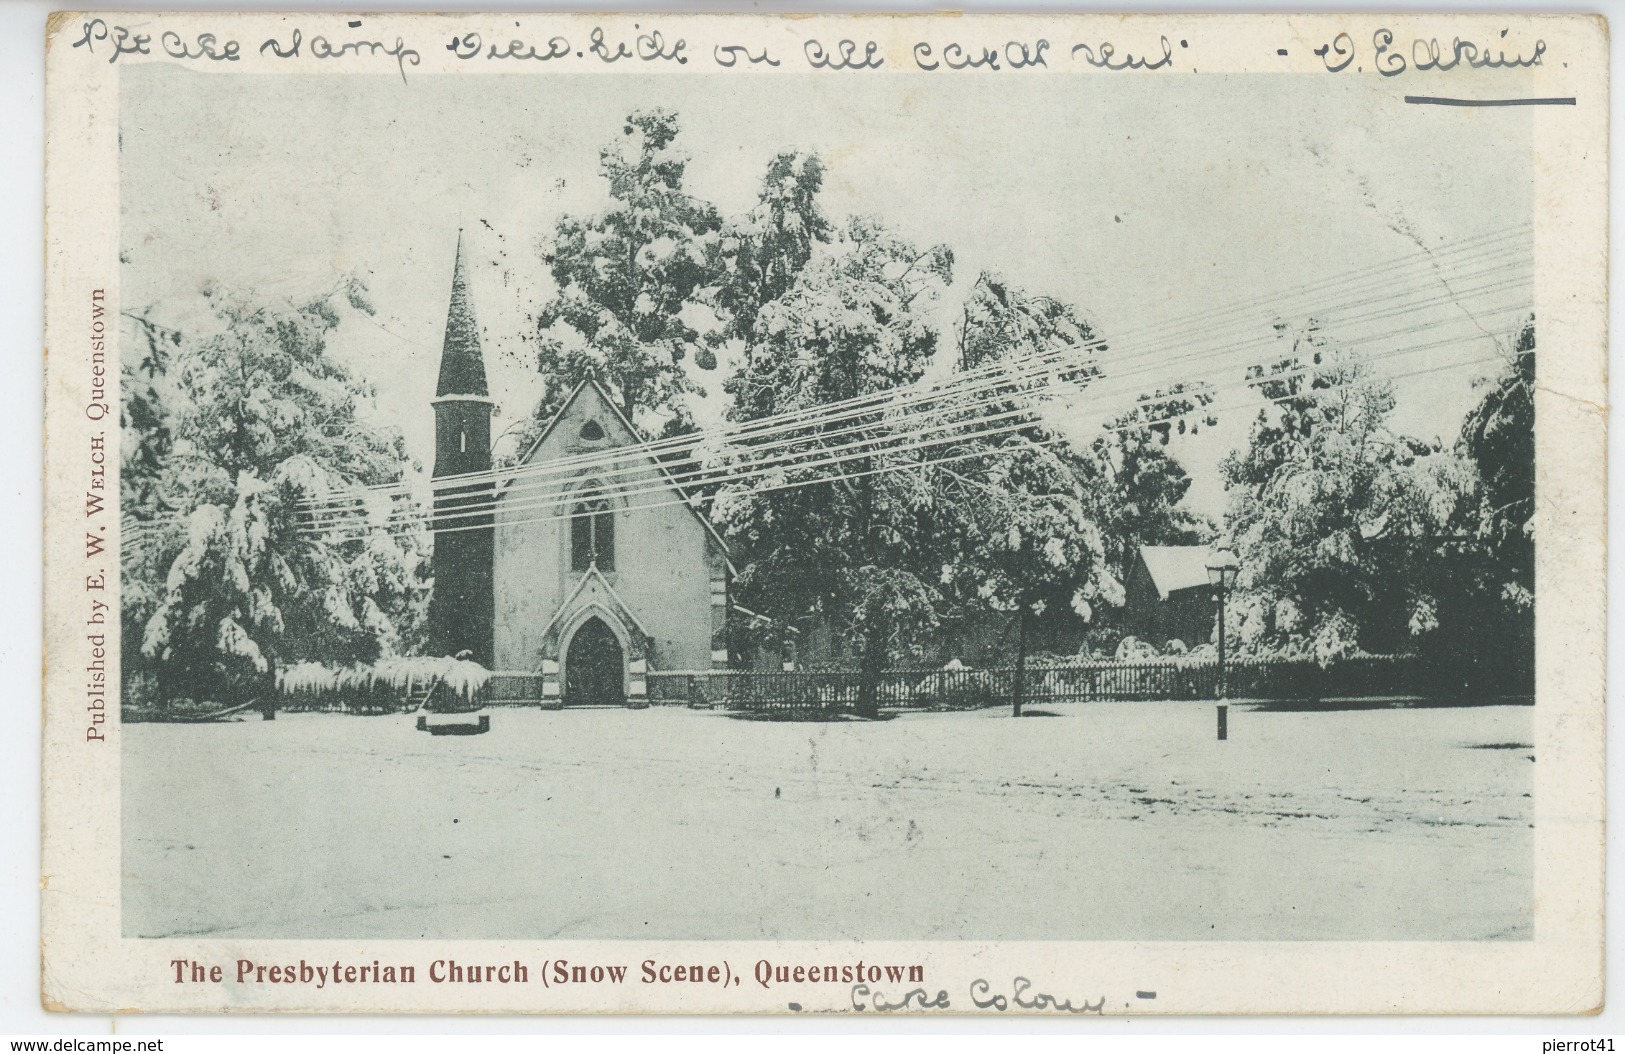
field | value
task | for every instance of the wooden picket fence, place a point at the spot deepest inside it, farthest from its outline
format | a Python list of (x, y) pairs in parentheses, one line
[(836, 692), (1098, 681)]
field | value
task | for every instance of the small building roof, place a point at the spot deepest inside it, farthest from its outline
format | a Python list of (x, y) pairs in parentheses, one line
[(1176, 567)]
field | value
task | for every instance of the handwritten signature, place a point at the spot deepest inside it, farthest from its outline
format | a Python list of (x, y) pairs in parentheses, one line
[(1426, 54)]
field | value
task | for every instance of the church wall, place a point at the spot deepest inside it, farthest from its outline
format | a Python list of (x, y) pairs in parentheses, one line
[(528, 588), (664, 577), (663, 558)]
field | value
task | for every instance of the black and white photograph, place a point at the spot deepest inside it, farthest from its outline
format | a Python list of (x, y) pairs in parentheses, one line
[(927, 503)]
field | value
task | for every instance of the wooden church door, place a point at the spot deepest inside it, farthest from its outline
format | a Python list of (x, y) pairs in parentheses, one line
[(593, 667)]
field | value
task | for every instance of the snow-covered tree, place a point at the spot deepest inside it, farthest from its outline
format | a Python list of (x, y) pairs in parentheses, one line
[(754, 262), (631, 280), (847, 541), (1487, 591), (1498, 441), (759, 257), (1336, 517), (260, 419), (146, 440), (1139, 487), (1028, 538)]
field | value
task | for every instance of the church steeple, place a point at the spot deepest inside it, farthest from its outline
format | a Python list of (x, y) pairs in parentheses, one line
[(462, 361), (462, 404), (462, 605)]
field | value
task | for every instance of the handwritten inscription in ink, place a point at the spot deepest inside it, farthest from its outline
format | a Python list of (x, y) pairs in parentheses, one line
[(650, 47), (1385, 54), (1105, 57), (845, 56), (1426, 54), (982, 996), (468, 46), (206, 46), (1022, 997), (323, 48), (735, 52), (1015, 55), (122, 41)]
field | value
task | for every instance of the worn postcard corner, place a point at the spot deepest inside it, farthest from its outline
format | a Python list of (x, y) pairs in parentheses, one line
[(961, 514)]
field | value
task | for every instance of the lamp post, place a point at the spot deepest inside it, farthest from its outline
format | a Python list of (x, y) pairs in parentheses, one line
[(1222, 567)]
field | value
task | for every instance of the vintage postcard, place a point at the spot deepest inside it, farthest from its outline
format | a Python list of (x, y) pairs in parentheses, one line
[(825, 515)]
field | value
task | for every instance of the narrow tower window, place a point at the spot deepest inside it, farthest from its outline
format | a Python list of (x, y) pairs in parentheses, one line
[(462, 440), (592, 536)]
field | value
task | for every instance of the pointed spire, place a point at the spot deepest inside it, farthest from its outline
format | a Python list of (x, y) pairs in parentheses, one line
[(462, 362)]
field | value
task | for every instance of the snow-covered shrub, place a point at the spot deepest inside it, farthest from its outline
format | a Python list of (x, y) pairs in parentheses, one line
[(1133, 649), (382, 685)]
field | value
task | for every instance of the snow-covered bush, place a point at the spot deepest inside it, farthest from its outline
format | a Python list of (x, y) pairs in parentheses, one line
[(1133, 649), (381, 685)]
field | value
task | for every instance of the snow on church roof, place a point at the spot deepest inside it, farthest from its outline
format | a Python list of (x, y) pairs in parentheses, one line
[(1176, 567)]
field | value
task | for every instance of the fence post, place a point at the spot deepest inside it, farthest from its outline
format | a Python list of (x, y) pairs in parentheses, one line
[(1224, 731)]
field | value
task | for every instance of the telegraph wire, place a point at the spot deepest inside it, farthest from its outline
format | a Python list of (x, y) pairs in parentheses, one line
[(991, 452), (1003, 376), (633, 459), (360, 518), (415, 520), (993, 374)]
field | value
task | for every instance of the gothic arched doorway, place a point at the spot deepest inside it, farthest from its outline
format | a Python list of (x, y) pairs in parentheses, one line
[(594, 667)]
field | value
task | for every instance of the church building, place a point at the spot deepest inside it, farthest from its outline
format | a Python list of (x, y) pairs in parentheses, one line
[(585, 562)]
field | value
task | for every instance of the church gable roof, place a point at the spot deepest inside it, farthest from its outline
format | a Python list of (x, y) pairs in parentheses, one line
[(462, 360), (622, 434)]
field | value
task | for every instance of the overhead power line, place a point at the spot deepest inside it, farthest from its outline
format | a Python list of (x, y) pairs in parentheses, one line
[(937, 426), (990, 452), (1389, 284), (996, 381), (448, 523), (622, 461), (478, 513)]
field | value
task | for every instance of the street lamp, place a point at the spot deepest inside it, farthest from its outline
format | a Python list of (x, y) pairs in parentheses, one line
[(1222, 567)]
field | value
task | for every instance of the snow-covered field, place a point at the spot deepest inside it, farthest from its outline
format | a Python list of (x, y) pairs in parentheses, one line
[(1103, 821)]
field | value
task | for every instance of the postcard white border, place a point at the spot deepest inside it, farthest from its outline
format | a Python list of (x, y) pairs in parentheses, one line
[(1559, 971)]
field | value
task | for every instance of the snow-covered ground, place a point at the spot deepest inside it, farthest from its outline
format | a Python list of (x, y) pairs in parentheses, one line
[(1103, 821)]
